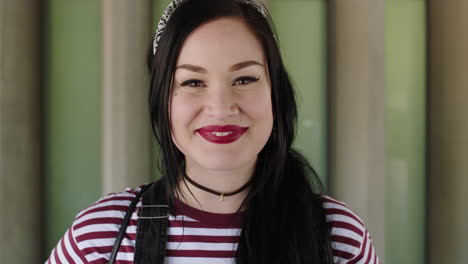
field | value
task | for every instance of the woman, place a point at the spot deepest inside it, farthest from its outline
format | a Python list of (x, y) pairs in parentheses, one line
[(224, 114)]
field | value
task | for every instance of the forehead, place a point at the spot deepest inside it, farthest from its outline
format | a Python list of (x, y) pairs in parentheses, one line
[(220, 43)]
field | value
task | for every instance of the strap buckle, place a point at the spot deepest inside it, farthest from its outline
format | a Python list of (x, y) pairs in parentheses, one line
[(159, 211)]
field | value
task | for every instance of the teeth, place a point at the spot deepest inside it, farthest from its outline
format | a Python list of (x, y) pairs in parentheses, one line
[(221, 134)]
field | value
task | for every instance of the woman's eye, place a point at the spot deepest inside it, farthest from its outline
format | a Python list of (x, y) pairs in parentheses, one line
[(246, 80), (192, 83)]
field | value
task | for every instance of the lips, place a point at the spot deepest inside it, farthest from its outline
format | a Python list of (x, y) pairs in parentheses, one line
[(222, 134)]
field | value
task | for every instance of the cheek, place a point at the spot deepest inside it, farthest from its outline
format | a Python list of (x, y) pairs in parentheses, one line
[(259, 107), (176, 114), (182, 112)]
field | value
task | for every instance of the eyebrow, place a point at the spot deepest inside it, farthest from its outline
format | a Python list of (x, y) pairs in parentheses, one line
[(234, 67)]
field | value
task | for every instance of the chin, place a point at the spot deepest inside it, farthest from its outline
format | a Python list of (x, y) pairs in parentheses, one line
[(225, 163)]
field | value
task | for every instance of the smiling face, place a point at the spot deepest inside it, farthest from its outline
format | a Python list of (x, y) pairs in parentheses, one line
[(220, 107)]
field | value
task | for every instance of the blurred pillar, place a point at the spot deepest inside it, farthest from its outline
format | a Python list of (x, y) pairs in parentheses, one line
[(448, 164), (72, 108), (126, 132), (405, 131), (357, 110), (20, 115), (302, 33)]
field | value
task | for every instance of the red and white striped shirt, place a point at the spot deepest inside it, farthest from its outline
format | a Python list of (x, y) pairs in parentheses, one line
[(195, 236)]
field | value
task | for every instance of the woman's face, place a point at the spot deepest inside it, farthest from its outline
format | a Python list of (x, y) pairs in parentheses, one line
[(220, 108)]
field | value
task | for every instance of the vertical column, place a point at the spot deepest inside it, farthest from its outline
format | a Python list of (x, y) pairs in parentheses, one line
[(405, 103), (20, 115), (73, 111), (357, 110), (448, 161), (301, 27), (126, 132)]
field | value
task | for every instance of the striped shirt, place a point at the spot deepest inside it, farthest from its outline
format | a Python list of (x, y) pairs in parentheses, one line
[(194, 236)]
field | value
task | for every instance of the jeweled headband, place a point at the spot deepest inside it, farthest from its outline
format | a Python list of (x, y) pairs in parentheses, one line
[(175, 3)]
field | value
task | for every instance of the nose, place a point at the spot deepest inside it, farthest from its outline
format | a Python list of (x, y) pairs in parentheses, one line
[(222, 102)]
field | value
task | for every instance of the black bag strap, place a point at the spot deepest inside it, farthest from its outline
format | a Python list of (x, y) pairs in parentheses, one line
[(153, 221), (152, 225), (125, 222)]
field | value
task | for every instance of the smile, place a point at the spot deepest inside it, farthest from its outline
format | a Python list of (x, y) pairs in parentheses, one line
[(222, 134)]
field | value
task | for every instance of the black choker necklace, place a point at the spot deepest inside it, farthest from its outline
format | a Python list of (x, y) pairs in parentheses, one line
[(221, 195)]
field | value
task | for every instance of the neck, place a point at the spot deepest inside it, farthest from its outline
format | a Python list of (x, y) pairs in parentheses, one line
[(223, 181)]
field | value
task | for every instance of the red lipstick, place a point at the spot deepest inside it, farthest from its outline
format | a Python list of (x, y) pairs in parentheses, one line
[(222, 134)]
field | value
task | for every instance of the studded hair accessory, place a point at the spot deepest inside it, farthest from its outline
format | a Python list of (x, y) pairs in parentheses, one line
[(176, 3)]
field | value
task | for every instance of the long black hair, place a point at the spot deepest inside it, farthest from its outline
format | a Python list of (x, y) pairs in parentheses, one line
[(284, 218)]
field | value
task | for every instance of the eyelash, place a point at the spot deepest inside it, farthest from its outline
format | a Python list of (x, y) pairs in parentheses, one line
[(248, 79)]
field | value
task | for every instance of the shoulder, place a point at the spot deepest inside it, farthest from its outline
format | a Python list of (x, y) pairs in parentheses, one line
[(96, 227), (351, 242), (112, 204)]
